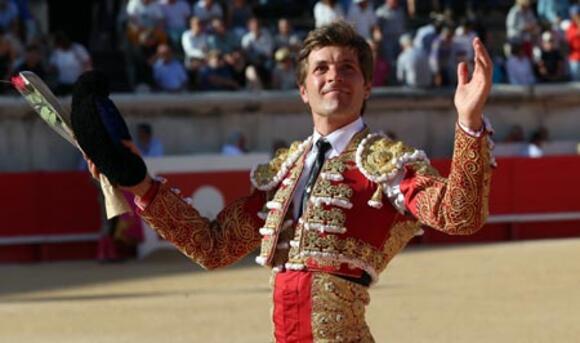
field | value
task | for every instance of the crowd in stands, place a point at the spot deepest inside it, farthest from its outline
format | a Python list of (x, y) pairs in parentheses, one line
[(198, 45)]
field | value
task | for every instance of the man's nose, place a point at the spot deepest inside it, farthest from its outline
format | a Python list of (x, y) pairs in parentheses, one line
[(334, 74)]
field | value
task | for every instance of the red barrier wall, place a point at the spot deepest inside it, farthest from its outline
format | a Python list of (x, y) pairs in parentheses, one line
[(59, 203)]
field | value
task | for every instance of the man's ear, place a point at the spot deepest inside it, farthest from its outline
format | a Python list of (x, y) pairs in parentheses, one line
[(303, 93), (367, 88)]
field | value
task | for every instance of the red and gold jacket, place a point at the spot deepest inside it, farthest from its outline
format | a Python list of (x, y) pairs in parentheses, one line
[(366, 205)]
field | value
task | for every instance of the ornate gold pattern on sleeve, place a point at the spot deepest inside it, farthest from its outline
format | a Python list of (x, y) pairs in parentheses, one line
[(338, 310), (458, 205), (212, 244)]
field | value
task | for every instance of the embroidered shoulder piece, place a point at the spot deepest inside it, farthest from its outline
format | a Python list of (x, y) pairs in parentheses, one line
[(267, 176), (382, 161)]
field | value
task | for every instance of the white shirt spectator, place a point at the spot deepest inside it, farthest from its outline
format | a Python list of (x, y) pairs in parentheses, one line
[(413, 68), (145, 13), (325, 14), (170, 76), (463, 43), (176, 14), (204, 13), (363, 20), (262, 45), (519, 21), (519, 70), (194, 45), (70, 63)]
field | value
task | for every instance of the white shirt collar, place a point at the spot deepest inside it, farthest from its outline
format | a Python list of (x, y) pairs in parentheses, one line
[(340, 138)]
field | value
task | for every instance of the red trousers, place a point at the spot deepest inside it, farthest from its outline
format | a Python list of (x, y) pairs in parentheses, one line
[(292, 307)]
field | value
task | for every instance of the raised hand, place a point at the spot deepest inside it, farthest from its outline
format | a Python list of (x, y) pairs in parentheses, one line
[(471, 94)]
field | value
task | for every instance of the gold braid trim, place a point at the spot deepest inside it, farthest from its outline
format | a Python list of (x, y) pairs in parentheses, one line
[(267, 176), (338, 310), (458, 204), (212, 244)]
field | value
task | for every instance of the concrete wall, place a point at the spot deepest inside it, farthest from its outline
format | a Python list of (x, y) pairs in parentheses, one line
[(199, 123)]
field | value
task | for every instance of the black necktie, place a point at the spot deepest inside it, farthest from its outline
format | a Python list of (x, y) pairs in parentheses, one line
[(322, 146)]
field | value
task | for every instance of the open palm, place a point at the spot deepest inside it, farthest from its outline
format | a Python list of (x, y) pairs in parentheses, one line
[(471, 94)]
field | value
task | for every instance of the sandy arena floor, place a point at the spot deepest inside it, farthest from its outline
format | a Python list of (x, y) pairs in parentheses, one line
[(509, 292)]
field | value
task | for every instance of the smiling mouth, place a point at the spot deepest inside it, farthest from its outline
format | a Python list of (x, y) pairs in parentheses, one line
[(334, 90)]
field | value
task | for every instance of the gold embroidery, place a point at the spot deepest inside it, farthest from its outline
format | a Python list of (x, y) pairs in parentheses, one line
[(265, 173), (334, 166), (334, 217), (212, 244), (338, 310), (276, 217), (325, 189), (399, 235), (458, 205), (380, 155)]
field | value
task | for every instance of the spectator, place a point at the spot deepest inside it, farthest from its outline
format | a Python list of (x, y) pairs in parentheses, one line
[(216, 75), (237, 64), (206, 10), (144, 15), (392, 21), (238, 15), (176, 14), (286, 38), (220, 38), (257, 43), (69, 60), (522, 25), (426, 34), (362, 16), (327, 11), (573, 38), (381, 66), (536, 147), (148, 145), (553, 11), (413, 65), (144, 58), (194, 41), (440, 58), (519, 67), (168, 73), (235, 144), (283, 76), (549, 62), (32, 62), (8, 55), (8, 15), (463, 41)]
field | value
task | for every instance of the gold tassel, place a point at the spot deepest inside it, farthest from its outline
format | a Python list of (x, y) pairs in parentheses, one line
[(376, 200)]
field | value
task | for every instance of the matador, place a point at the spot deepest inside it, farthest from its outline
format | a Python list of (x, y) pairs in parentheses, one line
[(331, 211)]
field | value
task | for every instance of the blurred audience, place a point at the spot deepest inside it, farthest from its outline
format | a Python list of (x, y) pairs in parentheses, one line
[(327, 11), (413, 65), (148, 145), (176, 14), (573, 39), (362, 16), (235, 144), (519, 67), (68, 60), (284, 73), (206, 10), (168, 72)]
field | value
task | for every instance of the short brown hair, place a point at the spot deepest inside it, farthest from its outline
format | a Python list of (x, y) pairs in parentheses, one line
[(338, 33)]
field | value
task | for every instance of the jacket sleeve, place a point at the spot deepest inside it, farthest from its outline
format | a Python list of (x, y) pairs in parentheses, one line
[(212, 244), (457, 205)]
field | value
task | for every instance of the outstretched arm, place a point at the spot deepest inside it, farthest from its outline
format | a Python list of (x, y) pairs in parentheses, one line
[(458, 204)]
